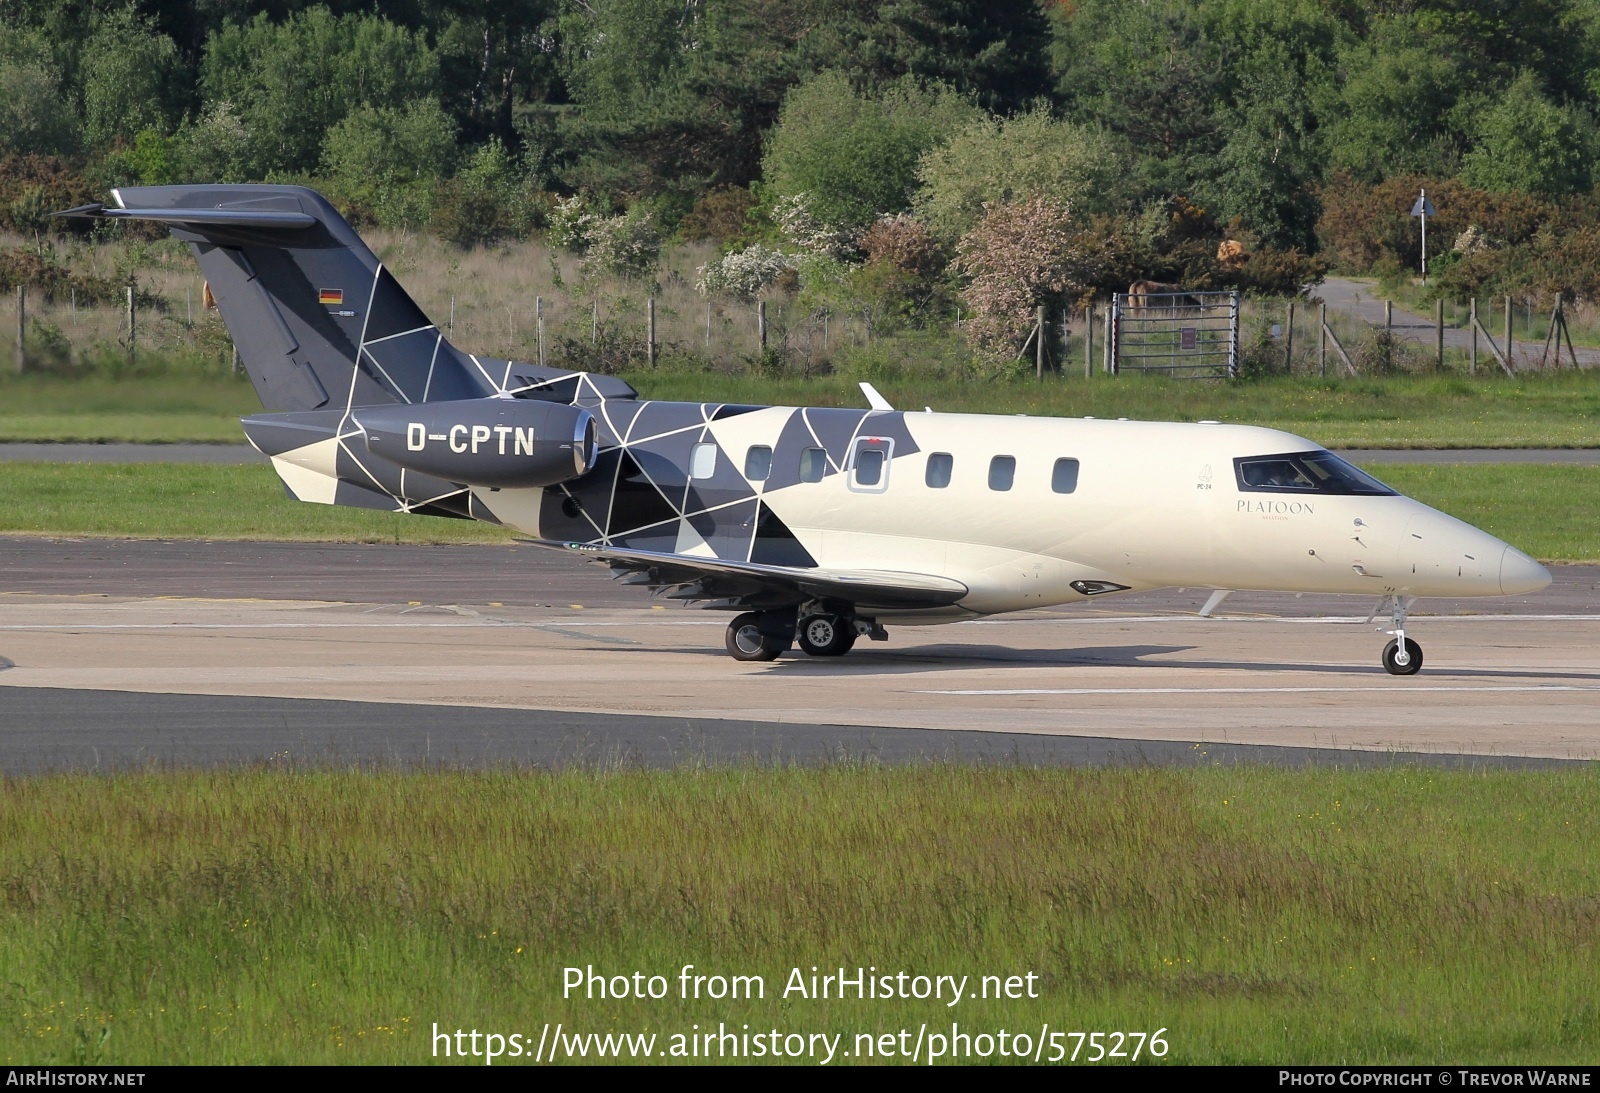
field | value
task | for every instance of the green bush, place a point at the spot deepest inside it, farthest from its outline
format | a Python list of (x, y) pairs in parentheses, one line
[(853, 156), (1528, 144), (994, 160), (129, 73), (290, 82), (387, 158)]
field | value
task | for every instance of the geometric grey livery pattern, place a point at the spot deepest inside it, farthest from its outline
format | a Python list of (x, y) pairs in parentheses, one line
[(323, 329)]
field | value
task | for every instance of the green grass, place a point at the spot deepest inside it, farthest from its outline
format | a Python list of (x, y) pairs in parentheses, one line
[(1259, 916), (1557, 409), (199, 501), (1550, 511), (163, 408), (1549, 410)]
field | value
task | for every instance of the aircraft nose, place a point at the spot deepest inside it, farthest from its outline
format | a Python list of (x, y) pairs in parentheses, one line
[(1521, 574)]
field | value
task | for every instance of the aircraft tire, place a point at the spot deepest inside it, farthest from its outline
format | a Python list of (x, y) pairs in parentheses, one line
[(826, 635), (745, 640), (1394, 667)]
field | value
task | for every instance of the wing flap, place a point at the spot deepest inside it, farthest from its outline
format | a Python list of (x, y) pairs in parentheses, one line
[(695, 578)]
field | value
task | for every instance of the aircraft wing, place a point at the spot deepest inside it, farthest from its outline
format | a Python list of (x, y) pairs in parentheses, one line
[(765, 586)]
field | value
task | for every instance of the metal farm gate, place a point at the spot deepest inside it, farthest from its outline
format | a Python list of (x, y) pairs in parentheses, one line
[(1190, 334)]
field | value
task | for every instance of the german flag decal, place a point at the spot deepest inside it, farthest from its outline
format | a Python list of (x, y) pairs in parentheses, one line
[(330, 297)]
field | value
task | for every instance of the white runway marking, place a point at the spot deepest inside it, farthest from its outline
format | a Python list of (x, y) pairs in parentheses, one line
[(1247, 690)]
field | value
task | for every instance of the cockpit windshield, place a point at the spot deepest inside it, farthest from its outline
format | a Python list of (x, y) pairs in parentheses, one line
[(1304, 472)]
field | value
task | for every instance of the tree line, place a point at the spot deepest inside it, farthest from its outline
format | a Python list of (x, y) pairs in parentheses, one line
[(883, 149)]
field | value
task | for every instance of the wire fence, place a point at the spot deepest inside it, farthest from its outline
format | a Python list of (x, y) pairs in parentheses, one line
[(531, 303)]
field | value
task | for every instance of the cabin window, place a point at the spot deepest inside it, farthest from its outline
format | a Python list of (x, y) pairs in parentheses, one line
[(758, 463), (1304, 472), (1064, 478), (869, 467), (869, 464), (703, 461), (940, 465), (813, 464), (1002, 472)]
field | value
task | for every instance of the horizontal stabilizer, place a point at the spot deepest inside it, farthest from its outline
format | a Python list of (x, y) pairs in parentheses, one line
[(232, 218), (716, 578)]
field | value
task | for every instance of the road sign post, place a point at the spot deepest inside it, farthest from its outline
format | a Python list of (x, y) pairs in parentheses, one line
[(1422, 210)]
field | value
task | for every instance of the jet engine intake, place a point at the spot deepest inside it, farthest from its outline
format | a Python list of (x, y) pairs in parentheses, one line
[(496, 442)]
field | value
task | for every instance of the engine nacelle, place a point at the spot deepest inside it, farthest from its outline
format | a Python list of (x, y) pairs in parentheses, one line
[(484, 441)]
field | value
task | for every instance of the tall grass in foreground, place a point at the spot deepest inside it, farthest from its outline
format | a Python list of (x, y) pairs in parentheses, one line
[(1257, 915)]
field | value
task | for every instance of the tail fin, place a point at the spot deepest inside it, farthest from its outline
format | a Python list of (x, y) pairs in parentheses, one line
[(319, 323)]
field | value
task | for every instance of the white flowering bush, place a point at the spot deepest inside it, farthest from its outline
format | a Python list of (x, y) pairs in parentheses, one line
[(743, 274), (626, 246), (1020, 255), (572, 224), (806, 233)]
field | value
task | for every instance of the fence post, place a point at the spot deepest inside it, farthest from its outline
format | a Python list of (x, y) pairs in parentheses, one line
[(1508, 328), (708, 328), (594, 322), (1088, 341), (1110, 366), (650, 331), (22, 327), (1038, 348), (452, 313), (761, 323), (538, 310), (1322, 341), (1388, 334), (133, 352), (1288, 342), (1472, 321), (1438, 333), (1558, 331)]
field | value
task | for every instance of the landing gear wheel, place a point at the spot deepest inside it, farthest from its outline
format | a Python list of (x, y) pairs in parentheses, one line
[(745, 640), (826, 635), (1391, 658)]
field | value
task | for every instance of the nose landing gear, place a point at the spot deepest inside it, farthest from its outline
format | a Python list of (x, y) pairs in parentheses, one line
[(1402, 656)]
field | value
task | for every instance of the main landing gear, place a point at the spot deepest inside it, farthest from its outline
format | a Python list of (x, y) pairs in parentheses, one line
[(1402, 656), (765, 635), (758, 635), (826, 635)]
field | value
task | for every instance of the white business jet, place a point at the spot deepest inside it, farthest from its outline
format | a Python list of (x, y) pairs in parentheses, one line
[(809, 525)]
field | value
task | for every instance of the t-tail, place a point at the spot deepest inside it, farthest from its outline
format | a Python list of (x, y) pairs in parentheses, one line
[(342, 358)]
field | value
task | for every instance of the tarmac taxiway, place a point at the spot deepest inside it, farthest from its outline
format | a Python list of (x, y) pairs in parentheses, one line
[(117, 651)]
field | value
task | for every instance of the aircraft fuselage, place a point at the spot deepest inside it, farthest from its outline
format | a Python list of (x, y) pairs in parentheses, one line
[(1149, 504)]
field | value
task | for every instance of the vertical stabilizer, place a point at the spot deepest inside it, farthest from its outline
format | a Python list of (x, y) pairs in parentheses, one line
[(319, 323)]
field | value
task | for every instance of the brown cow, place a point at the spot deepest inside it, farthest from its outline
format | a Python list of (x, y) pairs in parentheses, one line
[(1231, 253), (1172, 296)]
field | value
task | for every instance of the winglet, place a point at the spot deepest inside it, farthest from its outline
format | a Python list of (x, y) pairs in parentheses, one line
[(874, 399)]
